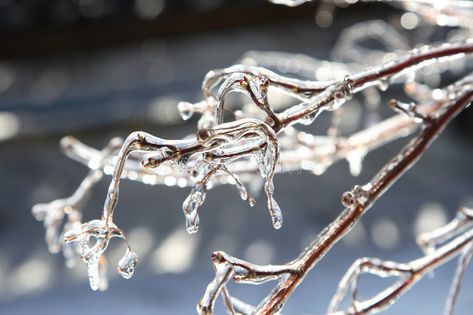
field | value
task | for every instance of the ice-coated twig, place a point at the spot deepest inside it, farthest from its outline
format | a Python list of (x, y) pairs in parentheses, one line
[(365, 196), (408, 273), (222, 151), (463, 262), (53, 213), (230, 268)]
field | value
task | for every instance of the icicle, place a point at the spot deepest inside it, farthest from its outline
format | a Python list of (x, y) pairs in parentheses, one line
[(269, 159), (276, 213), (126, 265), (191, 207), (244, 195), (192, 222), (93, 271), (242, 190)]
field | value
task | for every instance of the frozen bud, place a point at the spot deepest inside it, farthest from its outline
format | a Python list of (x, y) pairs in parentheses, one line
[(358, 195)]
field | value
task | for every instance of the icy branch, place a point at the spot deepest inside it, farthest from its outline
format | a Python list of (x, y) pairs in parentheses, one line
[(258, 144)]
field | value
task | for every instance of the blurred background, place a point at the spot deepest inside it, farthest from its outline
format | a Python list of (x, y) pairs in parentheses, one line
[(96, 69)]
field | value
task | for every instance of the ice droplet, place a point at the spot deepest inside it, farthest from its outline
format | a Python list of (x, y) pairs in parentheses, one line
[(185, 110), (309, 119), (384, 83), (276, 214), (126, 265)]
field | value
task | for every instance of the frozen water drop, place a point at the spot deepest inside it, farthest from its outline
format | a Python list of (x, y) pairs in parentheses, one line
[(309, 119), (251, 201), (276, 214), (126, 265), (185, 110), (384, 83)]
